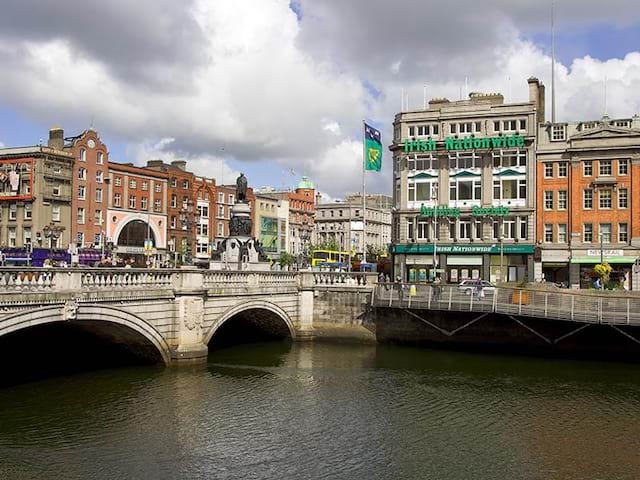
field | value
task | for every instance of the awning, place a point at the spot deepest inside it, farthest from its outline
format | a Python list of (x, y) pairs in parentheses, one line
[(595, 260), (554, 264)]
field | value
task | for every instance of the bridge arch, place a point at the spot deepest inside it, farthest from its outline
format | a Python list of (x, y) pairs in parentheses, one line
[(87, 314), (247, 306)]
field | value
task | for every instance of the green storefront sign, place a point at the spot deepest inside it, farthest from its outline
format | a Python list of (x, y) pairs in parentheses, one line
[(491, 249), (467, 143), (445, 211)]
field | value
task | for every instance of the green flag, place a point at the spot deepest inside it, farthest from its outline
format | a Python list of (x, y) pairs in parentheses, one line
[(372, 149)]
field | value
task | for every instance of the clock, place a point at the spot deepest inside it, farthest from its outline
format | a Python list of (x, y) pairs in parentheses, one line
[(91, 143)]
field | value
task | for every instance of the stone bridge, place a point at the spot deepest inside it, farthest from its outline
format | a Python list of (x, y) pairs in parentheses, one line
[(172, 315)]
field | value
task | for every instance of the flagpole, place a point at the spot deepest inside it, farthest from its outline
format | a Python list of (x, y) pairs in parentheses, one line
[(364, 195)]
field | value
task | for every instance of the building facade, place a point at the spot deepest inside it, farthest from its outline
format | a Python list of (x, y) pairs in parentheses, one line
[(464, 189), (588, 178), (35, 195), (271, 224), (137, 213), (343, 222)]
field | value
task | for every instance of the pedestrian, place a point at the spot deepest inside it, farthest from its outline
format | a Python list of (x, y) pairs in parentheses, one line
[(597, 284), (400, 287), (437, 288)]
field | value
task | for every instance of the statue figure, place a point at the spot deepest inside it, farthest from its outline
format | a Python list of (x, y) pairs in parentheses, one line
[(241, 188)]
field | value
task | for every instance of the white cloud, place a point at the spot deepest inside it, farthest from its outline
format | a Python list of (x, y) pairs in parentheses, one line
[(256, 85)]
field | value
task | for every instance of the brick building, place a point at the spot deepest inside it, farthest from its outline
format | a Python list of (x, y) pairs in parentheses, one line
[(587, 190), (136, 212)]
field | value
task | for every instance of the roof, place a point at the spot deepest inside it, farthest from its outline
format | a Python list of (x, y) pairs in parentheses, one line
[(305, 183)]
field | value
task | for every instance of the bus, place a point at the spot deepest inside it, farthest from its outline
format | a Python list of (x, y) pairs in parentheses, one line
[(329, 258)]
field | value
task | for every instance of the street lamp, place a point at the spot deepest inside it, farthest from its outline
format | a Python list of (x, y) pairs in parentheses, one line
[(601, 235), (52, 232), (187, 217), (434, 197)]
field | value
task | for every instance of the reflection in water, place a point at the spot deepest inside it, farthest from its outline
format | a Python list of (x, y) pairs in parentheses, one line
[(329, 411)]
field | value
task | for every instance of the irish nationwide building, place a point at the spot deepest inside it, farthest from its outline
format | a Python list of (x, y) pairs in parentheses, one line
[(463, 185)]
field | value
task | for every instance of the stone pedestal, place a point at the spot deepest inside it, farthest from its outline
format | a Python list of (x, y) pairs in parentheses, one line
[(240, 251)]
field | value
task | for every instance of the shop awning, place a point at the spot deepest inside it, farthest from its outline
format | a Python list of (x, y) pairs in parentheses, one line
[(595, 260)]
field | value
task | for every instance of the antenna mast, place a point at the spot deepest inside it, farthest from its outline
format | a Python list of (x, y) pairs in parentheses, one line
[(553, 66)]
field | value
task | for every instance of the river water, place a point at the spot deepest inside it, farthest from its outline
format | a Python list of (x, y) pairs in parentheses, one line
[(313, 411)]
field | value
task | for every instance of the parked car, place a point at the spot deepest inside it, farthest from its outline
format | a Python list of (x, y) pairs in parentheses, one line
[(468, 286)]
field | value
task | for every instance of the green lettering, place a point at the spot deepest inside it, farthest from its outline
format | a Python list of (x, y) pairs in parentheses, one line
[(458, 144), (520, 141), (511, 141), (431, 144), (449, 143), (495, 142), (467, 143)]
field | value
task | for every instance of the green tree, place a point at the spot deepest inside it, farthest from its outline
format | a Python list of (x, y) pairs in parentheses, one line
[(286, 259), (374, 252), (329, 244)]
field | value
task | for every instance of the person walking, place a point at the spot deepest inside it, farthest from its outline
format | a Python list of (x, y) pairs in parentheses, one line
[(437, 288)]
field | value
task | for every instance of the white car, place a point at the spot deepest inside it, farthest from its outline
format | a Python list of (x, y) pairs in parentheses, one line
[(468, 286)]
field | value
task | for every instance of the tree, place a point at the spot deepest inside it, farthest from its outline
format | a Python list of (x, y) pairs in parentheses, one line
[(603, 270), (374, 252), (286, 259), (329, 244)]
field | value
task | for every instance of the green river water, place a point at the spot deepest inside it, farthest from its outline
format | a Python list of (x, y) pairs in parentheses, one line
[(315, 411)]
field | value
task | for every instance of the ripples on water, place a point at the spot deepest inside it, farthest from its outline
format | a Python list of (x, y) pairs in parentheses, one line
[(274, 411)]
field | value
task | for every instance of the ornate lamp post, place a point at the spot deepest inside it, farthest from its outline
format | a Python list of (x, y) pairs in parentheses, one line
[(187, 218), (52, 232)]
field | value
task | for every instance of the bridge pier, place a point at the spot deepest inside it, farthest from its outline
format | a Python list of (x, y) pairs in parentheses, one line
[(304, 331), (190, 294)]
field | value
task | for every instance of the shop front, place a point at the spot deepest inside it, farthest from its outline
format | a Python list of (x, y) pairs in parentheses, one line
[(555, 266), (456, 262), (582, 272)]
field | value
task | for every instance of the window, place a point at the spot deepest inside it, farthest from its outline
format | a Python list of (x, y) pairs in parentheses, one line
[(220, 211), (55, 213), (158, 188), (587, 168), (220, 229), (509, 158), (203, 211), (157, 205), (623, 167), (132, 202), (81, 216), (605, 232), (587, 233), (82, 173), (99, 176), (231, 202), (562, 199), (623, 198), (509, 125), (465, 127), (452, 229), (428, 162), (80, 239), (523, 124), (174, 182), (523, 228), (13, 211), (464, 189), (410, 229), (203, 229), (605, 167), (173, 221), (98, 195), (623, 235), (465, 229), (185, 184), (26, 236), (548, 170), (496, 126), (174, 201), (117, 200), (548, 200), (587, 198), (422, 191), (97, 239), (144, 185), (143, 203), (452, 128), (83, 155), (412, 131), (82, 191), (56, 190), (220, 197), (97, 217), (548, 233), (509, 189), (464, 160), (118, 181), (132, 184), (604, 199), (558, 132), (562, 233), (100, 158), (12, 236), (562, 169)]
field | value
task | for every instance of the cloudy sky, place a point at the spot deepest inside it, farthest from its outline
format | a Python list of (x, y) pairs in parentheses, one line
[(278, 88)]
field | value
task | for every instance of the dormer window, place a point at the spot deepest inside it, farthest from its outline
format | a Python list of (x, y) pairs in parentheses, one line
[(558, 132)]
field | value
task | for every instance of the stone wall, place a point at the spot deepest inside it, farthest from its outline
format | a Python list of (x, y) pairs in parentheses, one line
[(340, 314)]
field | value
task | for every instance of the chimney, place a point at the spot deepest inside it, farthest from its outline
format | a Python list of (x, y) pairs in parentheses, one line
[(56, 138), (180, 164), (536, 95)]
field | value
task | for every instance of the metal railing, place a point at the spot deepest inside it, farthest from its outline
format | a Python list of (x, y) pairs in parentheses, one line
[(579, 306)]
